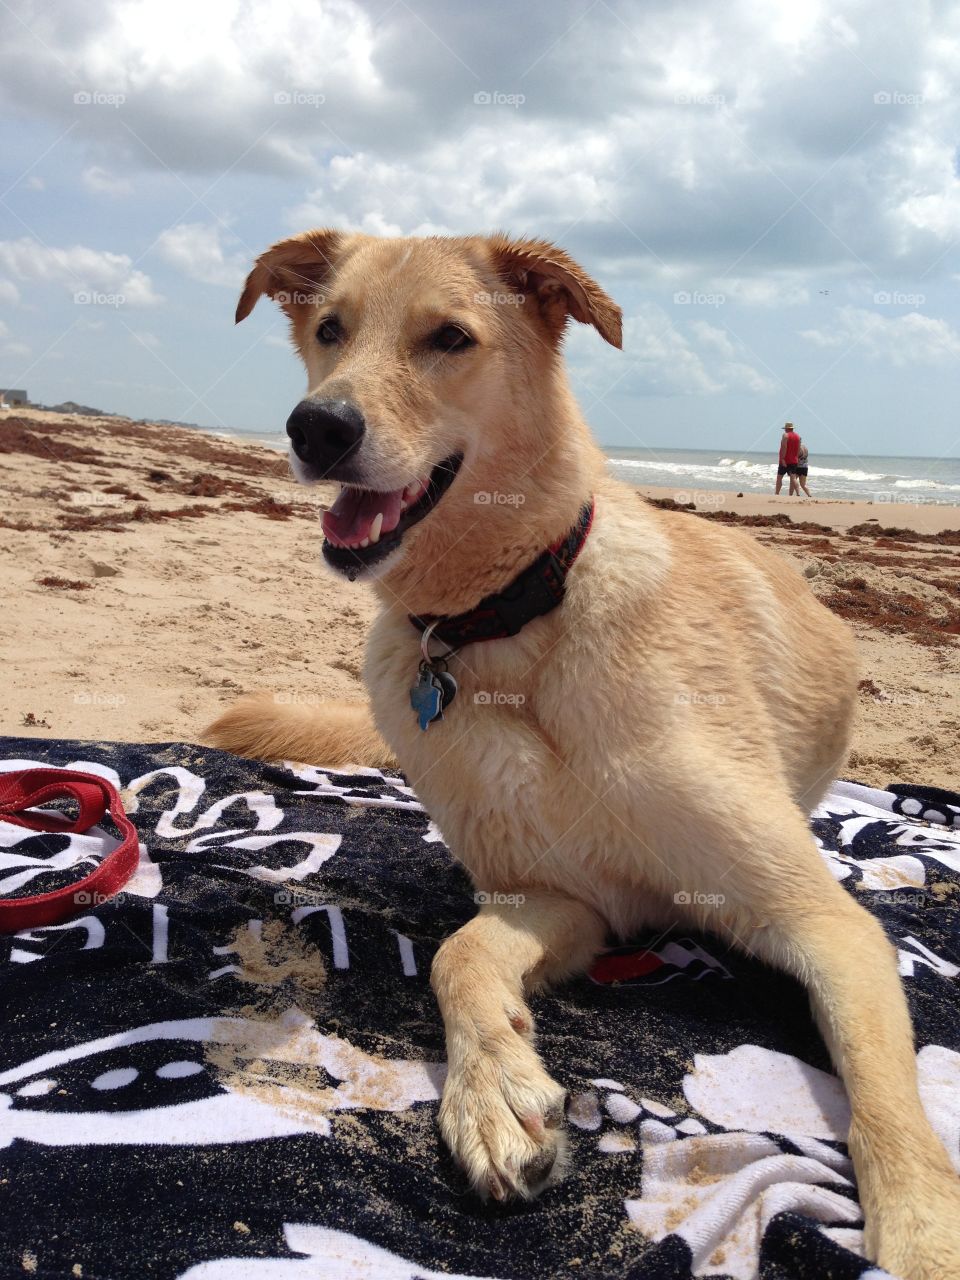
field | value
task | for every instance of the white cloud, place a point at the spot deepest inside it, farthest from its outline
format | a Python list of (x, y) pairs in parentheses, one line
[(844, 31), (194, 248), (656, 360), (441, 194), (35, 183), (659, 359), (78, 269), (728, 139), (737, 374), (902, 340), (146, 339), (152, 60), (12, 348), (774, 290), (716, 339), (9, 293), (102, 182), (733, 150), (732, 369)]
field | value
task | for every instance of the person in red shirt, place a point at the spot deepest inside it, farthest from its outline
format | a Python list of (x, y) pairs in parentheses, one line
[(789, 455)]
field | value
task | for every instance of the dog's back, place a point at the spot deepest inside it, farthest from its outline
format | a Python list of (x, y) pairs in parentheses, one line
[(781, 668)]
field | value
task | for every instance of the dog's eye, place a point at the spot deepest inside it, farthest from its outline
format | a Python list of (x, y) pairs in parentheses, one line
[(450, 337), (329, 331)]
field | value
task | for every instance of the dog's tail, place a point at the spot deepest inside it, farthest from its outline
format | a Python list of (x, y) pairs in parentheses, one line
[(332, 733)]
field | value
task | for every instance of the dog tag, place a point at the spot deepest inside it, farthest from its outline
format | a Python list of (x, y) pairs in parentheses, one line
[(426, 697), (448, 689)]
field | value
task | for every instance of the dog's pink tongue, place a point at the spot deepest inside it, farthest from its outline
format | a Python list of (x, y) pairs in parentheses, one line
[(350, 518)]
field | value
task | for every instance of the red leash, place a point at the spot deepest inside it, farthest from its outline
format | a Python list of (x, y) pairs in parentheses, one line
[(23, 789)]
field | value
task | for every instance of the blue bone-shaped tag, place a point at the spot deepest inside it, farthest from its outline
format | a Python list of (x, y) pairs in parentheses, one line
[(426, 698)]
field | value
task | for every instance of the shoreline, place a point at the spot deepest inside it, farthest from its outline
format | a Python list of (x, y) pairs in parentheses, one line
[(892, 506), (835, 513)]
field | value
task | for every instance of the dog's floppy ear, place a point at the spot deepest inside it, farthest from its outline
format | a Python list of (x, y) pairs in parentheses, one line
[(562, 287), (290, 267)]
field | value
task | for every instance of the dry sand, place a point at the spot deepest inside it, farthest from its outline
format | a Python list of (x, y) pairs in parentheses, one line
[(151, 573)]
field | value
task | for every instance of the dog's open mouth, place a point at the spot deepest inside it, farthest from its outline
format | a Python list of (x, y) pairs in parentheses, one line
[(364, 525)]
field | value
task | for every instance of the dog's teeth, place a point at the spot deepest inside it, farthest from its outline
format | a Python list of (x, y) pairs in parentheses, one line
[(364, 543), (375, 528)]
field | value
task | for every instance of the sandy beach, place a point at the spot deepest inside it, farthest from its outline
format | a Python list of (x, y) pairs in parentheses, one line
[(151, 573)]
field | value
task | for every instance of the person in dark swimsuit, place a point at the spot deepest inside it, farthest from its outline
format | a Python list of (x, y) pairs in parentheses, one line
[(802, 468), (787, 464)]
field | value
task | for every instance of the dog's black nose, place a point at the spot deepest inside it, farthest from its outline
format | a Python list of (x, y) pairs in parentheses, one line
[(325, 433)]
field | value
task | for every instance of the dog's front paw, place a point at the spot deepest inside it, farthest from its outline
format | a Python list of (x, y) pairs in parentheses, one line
[(502, 1118), (918, 1237)]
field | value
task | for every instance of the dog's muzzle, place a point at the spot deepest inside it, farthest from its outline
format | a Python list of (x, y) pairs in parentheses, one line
[(364, 526)]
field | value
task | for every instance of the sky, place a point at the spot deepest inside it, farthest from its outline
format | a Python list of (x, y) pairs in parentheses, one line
[(770, 191)]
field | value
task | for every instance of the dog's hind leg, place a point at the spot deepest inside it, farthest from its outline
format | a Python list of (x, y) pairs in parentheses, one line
[(332, 733), (501, 1114), (811, 926)]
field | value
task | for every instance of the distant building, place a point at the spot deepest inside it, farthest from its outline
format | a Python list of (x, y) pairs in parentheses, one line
[(10, 396)]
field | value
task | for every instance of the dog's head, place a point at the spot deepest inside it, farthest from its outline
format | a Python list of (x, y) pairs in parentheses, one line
[(416, 352)]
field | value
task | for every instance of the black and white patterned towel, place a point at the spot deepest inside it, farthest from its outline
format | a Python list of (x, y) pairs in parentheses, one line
[(231, 1072)]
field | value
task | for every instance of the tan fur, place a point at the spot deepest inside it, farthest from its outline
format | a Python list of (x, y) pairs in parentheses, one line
[(290, 731), (667, 730)]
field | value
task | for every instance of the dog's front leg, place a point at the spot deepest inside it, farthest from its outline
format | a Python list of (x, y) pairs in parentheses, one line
[(501, 1114), (908, 1190)]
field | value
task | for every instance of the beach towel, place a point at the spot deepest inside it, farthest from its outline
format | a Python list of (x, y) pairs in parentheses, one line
[(231, 1071)]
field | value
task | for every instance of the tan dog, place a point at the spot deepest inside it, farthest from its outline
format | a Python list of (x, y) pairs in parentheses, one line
[(666, 730)]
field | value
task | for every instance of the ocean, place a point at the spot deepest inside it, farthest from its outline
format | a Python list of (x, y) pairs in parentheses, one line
[(875, 479)]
